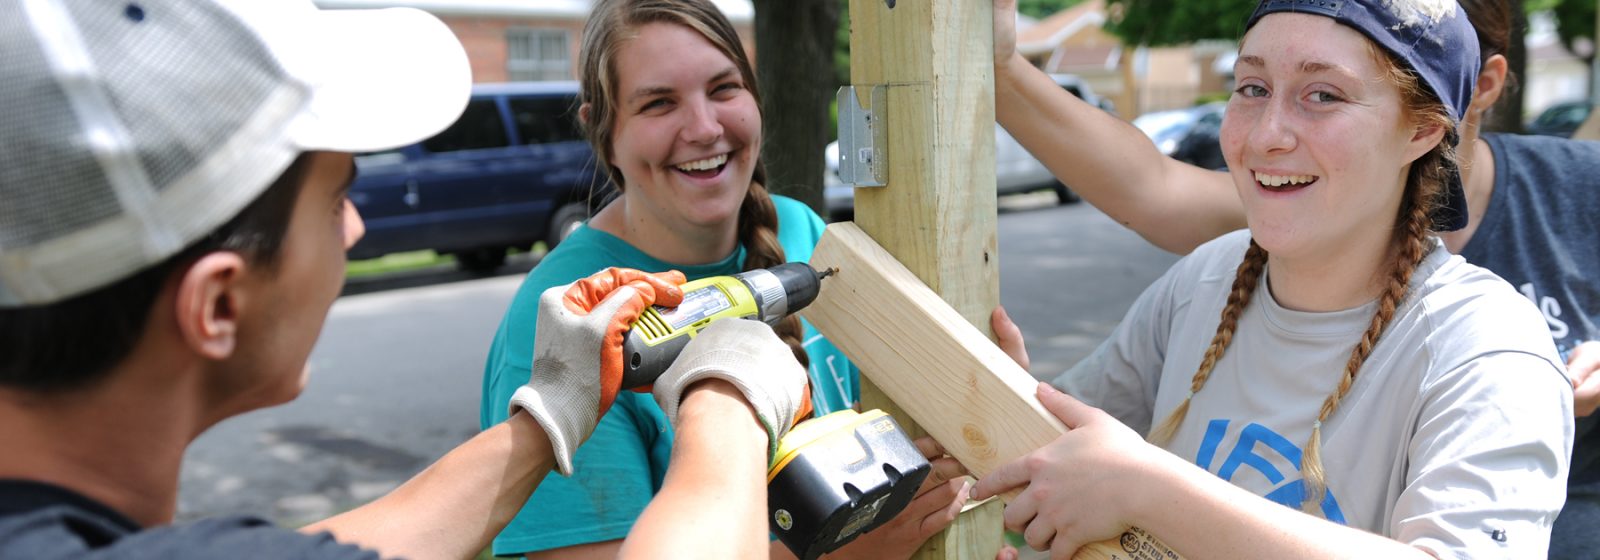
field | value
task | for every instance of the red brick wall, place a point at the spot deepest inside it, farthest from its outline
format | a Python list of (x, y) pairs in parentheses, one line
[(485, 41)]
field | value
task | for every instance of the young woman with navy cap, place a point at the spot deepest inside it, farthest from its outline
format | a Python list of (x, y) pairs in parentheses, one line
[(1334, 357), (1530, 207)]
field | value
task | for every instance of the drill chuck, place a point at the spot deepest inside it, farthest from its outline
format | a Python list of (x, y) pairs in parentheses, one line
[(766, 294)]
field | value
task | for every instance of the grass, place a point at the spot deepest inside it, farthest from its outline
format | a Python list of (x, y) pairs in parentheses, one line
[(411, 260), (396, 262)]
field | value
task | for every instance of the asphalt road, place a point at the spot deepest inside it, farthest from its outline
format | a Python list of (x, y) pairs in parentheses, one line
[(395, 376)]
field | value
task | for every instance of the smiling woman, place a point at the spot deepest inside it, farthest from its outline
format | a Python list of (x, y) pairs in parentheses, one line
[(1334, 357)]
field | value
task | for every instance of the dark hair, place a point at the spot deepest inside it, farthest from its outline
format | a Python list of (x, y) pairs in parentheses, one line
[(72, 344), (614, 22), (1491, 19)]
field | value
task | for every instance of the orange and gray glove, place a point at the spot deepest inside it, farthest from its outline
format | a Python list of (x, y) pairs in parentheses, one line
[(749, 355), (577, 353)]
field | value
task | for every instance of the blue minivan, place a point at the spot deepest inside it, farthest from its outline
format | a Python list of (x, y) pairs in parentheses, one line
[(512, 171)]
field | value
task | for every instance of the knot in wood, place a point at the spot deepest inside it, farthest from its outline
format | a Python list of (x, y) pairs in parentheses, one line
[(976, 441)]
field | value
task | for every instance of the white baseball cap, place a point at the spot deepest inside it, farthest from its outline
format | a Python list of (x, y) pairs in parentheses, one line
[(129, 130)]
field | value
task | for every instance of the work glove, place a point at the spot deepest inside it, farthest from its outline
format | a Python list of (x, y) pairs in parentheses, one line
[(577, 353), (749, 355)]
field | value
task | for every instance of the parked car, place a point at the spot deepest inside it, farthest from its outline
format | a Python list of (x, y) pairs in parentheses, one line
[(1561, 119), (1016, 170), (1202, 145), (1168, 128), (1076, 86), (512, 171)]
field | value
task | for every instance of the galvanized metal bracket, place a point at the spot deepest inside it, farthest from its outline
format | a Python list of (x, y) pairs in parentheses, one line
[(863, 137)]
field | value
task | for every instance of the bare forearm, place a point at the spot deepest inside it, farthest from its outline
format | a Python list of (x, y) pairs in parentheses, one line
[(1113, 165), (1238, 524), (715, 488), (456, 506)]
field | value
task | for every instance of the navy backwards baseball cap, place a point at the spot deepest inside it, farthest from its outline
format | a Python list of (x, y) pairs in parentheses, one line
[(1429, 37)]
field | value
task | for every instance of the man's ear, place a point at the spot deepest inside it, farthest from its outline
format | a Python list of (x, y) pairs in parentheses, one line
[(208, 304), (1491, 83)]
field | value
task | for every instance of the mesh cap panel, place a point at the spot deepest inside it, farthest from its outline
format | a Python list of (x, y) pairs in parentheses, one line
[(129, 130), (50, 184), (149, 68)]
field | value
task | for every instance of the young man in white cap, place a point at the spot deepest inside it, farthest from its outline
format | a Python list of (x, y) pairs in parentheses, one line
[(172, 233)]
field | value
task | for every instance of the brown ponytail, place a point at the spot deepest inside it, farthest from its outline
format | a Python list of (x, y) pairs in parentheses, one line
[(1410, 247), (1425, 184), (758, 232)]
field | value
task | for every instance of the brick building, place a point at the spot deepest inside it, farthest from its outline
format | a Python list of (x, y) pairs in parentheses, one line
[(523, 40)]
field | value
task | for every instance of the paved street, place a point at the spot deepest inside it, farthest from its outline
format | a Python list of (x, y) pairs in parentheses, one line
[(395, 377)]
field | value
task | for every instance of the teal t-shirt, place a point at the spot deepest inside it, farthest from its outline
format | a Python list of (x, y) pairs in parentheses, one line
[(621, 466)]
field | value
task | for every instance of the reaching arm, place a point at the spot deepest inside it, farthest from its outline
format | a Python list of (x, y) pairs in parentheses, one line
[(1100, 461), (457, 505), (715, 488), (732, 393), (1107, 161)]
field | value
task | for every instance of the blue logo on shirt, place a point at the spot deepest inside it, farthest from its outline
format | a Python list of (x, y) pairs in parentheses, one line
[(1245, 454)]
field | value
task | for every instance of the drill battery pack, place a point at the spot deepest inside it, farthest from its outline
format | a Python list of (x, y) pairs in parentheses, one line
[(838, 476)]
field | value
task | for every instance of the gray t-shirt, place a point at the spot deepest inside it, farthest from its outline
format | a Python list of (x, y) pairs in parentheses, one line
[(1454, 437)]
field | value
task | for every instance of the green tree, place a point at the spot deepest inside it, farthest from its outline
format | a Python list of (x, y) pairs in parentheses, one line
[(795, 42), (841, 46), (1043, 8), (1176, 22), (1574, 21)]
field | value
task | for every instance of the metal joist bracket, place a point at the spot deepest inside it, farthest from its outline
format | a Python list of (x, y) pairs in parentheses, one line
[(863, 137)]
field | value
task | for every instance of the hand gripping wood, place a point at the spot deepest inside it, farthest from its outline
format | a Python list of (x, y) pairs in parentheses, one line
[(951, 379)]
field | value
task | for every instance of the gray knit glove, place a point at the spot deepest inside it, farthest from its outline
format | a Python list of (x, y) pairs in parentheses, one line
[(577, 353), (749, 355)]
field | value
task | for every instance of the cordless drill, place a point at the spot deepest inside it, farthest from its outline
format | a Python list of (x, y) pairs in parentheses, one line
[(833, 477)]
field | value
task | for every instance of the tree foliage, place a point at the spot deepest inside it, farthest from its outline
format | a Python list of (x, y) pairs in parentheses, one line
[(1574, 21), (1040, 9), (1176, 22)]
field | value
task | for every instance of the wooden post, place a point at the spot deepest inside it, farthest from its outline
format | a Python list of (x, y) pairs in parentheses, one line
[(937, 213)]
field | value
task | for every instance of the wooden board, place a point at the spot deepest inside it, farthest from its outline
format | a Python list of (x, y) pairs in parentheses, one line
[(942, 371)]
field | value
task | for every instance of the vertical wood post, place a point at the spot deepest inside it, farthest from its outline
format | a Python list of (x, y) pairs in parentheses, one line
[(937, 213)]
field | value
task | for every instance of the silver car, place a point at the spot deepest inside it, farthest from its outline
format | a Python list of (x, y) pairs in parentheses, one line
[(1015, 170)]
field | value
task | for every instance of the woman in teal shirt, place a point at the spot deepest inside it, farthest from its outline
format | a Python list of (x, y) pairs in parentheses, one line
[(671, 107)]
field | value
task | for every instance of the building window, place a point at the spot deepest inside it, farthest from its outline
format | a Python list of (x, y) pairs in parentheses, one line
[(537, 54)]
